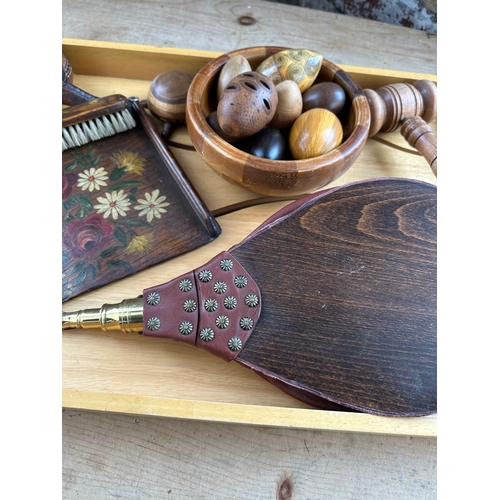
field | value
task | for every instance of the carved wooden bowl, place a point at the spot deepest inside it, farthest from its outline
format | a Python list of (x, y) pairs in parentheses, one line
[(274, 177)]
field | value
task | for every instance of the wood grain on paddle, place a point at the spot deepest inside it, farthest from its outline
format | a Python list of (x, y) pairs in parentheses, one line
[(349, 299)]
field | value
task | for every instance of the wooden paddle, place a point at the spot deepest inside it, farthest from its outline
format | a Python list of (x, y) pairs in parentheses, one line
[(332, 299)]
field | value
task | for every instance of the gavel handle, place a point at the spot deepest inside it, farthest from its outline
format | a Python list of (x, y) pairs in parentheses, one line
[(419, 135)]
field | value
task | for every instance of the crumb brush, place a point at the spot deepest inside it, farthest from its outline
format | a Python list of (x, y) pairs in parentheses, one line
[(89, 118)]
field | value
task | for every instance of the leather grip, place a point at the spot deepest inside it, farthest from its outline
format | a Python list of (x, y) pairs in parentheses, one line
[(214, 307)]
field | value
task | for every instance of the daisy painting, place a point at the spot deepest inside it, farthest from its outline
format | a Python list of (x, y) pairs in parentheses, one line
[(116, 203), (153, 205)]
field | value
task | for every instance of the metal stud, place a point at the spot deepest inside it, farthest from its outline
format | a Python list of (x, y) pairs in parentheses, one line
[(185, 328), (226, 264), (220, 287), (207, 334), (230, 302), (241, 281), (185, 285), (211, 305), (251, 300), (153, 299), (189, 305), (205, 275), (235, 344), (153, 323), (246, 323), (222, 321)]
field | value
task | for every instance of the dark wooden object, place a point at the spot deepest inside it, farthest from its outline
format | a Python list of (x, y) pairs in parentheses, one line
[(97, 248), (349, 299)]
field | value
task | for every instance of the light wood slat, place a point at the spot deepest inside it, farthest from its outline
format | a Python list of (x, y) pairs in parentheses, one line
[(107, 455), (212, 25)]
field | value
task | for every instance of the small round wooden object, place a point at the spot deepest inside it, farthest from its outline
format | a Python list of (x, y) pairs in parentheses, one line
[(262, 175), (167, 98), (314, 133)]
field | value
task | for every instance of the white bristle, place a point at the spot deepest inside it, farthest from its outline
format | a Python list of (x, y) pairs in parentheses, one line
[(108, 126), (98, 128), (89, 132)]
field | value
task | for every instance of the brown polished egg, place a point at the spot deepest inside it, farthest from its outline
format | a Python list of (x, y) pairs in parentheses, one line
[(328, 95), (247, 104), (315, 133)]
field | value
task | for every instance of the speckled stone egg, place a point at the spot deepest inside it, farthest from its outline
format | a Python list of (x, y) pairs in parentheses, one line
[(247, 104), (299, 65)]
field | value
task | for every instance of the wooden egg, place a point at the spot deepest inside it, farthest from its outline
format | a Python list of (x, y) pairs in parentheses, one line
[(247, 104), (268, 143), (289, 105), (214, 123), (234, 67), (167, 95), (315, 133), (299, 65), (327, 95)]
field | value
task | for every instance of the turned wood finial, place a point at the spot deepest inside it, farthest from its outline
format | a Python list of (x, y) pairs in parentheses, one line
[(167, 98), (414, 106)]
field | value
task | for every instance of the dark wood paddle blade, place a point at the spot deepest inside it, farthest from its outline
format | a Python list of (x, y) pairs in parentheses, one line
[(348, 283)]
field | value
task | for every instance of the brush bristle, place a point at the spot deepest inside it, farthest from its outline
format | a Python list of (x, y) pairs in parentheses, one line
[(98, 128)]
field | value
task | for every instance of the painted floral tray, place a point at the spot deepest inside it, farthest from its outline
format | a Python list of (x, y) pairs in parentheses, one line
[(123, 210)]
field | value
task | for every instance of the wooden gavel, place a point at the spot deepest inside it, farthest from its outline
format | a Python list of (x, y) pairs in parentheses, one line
[(411, 107)]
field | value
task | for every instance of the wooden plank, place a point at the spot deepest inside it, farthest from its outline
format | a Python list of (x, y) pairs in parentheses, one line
[(107, 455), (293, 418), (212, 25)]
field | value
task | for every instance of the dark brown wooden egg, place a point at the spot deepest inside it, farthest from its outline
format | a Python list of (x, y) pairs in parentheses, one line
[(214, 123), (247, 104), (327, 95), (268, 143)]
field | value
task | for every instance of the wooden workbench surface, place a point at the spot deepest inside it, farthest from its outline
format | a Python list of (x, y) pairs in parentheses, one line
[(126, 456)]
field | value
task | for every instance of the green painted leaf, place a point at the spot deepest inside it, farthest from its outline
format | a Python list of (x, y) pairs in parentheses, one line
[(77, 267), (119, 264), (106, 254), (82, 276), (117, 173), (137, 223), (120, 235)]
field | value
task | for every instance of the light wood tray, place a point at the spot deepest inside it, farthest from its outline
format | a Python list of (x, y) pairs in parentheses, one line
[(128, 373)]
